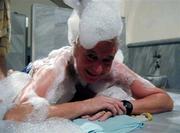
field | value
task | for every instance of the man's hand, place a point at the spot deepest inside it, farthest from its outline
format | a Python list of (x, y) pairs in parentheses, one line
[(101, 116), (102, 107)]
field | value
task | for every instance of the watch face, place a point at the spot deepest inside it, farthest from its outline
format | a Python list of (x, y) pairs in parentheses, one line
[(129, 107)]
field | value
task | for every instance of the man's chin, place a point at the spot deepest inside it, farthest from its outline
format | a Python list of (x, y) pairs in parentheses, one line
[(91, 79)]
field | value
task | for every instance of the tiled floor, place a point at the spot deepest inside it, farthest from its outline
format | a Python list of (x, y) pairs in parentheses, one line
[(168, 122)]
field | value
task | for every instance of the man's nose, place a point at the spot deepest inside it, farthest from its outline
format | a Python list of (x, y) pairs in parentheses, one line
[(98, 69)]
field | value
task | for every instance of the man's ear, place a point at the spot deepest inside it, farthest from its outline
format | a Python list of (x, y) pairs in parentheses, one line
[(75, 50), (76, 47)]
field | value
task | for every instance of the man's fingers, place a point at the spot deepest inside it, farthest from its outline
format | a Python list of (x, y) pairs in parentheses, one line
[(123, 109), (120, 111), (112, 108), (97, 116), (119, 105), (85, 116), (105, 116)]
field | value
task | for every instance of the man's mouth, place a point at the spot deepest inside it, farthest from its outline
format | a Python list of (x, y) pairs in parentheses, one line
[(91, 74)]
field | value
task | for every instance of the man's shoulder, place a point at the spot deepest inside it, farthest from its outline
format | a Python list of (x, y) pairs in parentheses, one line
[(63, 51), (117, 65), (62, 55)]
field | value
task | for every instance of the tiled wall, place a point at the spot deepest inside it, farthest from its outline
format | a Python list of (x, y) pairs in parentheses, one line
[(145, 57), (17, 55), (49, 29)]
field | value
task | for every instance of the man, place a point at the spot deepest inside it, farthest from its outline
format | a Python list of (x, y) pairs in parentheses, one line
[(90, 62)]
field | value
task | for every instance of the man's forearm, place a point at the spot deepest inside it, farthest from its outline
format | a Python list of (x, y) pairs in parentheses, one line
[(68, 110), (153, 104)]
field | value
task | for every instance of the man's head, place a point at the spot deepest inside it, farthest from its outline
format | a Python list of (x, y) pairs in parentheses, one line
[(93, 30), (93, 64)]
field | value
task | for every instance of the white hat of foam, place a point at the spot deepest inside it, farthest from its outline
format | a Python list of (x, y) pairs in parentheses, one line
[(93, 21)]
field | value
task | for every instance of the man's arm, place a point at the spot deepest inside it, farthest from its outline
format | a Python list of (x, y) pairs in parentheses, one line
[(148, 97), (153, 100), (37, 87), (68, 110)]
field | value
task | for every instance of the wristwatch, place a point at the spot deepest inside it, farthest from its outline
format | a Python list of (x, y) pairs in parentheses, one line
[(128, 105)]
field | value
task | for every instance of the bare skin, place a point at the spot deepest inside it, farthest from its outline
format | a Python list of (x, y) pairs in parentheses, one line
[(158, 100), (92, 65)]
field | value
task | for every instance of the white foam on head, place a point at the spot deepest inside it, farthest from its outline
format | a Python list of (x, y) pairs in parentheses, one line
[(78, 5), (73, 27), (75, 4), (93, 21), (99, 21)]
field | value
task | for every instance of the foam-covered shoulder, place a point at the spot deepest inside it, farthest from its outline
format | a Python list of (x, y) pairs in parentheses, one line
[(119, 56)]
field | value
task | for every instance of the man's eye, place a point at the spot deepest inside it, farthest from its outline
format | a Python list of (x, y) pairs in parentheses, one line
[(107, 61), (92, 57)]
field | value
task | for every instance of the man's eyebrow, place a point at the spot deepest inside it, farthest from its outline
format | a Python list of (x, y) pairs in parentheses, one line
[(111, 57), (91, 51)]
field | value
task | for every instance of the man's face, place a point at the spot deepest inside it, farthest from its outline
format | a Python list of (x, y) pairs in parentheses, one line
[(93, 64)]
